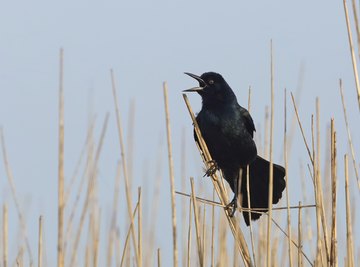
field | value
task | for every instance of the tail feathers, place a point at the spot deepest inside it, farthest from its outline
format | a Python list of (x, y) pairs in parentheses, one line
[(259, 187)]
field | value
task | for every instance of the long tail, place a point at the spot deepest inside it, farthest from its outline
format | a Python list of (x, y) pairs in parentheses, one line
[(259, 187)]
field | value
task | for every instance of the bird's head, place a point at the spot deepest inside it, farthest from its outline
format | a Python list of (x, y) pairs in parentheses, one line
[(212, 88)]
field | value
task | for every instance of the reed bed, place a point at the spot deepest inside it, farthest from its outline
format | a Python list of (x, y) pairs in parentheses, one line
[(303, 231)]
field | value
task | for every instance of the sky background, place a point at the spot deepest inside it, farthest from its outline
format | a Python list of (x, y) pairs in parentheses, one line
[(147, 43)]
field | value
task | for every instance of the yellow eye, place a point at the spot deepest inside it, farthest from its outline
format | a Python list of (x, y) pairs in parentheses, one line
[(211, 81)]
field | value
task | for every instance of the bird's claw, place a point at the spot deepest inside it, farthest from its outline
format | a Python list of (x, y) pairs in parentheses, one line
[(231, 207), (212, 169)]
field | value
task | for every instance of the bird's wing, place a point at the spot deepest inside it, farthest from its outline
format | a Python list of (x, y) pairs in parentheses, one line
[(195, 136), (249, 123)]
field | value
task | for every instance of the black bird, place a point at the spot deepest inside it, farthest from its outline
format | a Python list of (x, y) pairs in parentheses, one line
[(228, 131)]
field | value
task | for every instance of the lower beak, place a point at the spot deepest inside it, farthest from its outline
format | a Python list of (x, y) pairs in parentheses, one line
[(201, 82), (194, 89)]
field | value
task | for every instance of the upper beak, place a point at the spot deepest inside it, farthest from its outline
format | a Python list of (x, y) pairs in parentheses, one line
[(198, 88)]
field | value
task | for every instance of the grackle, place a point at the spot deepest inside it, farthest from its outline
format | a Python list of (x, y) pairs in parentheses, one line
[(228, 131)]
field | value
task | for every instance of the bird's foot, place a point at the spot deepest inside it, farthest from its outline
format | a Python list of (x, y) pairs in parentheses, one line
[(232, 206), (212, 169)]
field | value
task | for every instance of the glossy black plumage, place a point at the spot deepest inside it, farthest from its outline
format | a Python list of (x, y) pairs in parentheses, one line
[(228, 131)]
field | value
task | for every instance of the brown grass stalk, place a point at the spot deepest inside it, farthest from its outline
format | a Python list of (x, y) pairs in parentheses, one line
[(90, 188), (5, 236), (14, 195), (61, 206), (159, 257), (300, 263), (124, 165), (78, 164), (356, 21), (140, 226), (317, 181), (128, 236), (352, 150), (318, 192), (248, 194), (236, 231), (171, 174), (287, 181), (112, 230), (271, 158), (183, 188), (189, 235), (204, 235), (40, 241), (197, 226), (333, 249), (349, 235), (351, 46), (212, 253)]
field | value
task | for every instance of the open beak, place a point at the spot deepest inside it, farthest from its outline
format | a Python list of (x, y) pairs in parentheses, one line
[(198, 88)]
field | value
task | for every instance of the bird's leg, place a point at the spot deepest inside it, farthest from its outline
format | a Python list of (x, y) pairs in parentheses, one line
[(232, 206), (212, 169)]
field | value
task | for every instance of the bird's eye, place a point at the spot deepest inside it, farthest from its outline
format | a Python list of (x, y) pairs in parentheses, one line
[(211, 81)]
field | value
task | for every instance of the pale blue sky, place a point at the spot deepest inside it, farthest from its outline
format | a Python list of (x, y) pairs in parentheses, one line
[(146, 43)]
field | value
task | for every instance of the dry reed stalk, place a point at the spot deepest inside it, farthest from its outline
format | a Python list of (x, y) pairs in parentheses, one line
[(40, 241), (87, 256), (86, 173), (248, 194), (349, 239), (90, 188), (356, 77), (19, 257), (5, 236), (356, 20), (140, 226), (318, 191), (236, 231), (155, 206), (130, 142), (275, 251), (300, 263), (112, 230), (171, 174), (183, 188), (271, 158), (204, 236), (301, 129), (254, 210), (223, 258), (266, 133), (349, 135), (78, 164), (235, 256), (117, 247), (189, 235), (124, 164), (128, 236), (294, 243), (61, 203), (96, 237), (287, 182), (212, 253), (14, 195), (197, 226), (317, 184), (298, 93), (333, 249), (159, 257)]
